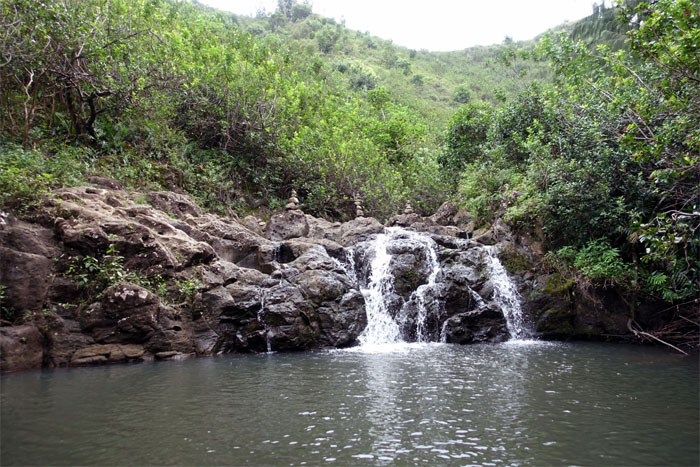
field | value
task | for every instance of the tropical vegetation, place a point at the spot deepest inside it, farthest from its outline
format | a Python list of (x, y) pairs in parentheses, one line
[(587, 138)]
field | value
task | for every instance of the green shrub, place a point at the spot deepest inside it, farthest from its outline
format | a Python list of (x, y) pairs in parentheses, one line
[(466, 137), (601, 263), (6, 313), (27, 175), (188, 289), (95, 275), (300, 11), (597, 262)]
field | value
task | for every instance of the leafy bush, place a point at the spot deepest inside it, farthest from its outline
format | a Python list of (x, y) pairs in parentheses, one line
[(6, 313), (466, 137), (326, 38), (300, 11), (482, 187), (27, 176), (183, 98), (95, 275), (597, 262), (601, 263), (462, 94), (607, 151), (188, 289)]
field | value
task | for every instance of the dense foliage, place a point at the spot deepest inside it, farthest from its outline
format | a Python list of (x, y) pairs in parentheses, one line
[(600, 157), (606, 160), (175, 95), (435, 84)]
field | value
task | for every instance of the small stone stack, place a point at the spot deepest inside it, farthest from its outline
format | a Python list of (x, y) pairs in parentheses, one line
[(408, 209), (359, 212), (293, 202)]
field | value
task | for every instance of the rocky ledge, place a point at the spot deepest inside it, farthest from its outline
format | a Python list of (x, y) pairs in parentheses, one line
[(105, 275)]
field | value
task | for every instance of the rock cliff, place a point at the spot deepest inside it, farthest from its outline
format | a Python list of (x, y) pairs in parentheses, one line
[(106, 275)]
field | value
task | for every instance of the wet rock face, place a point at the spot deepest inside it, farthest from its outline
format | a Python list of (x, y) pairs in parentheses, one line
[(130, 314), (111, 353), (308, 302), (224, 286), (191, 283), (433, 287), (21, 348), (25, 265), (483, 325)]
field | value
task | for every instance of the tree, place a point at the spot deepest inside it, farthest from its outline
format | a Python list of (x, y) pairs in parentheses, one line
[(285, 7), (389, 56), (404, 66), (59, 59), (326, 38), (643, 105), (300, 11), (462, 94), (465, 137)]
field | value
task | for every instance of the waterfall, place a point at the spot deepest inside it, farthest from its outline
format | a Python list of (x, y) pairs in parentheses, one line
[(348, 265), (350, 260), (420, 293), (505, 294), (400, 308), (382, 328), (262, 321)]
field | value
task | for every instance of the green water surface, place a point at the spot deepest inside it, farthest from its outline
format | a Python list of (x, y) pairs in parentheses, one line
[(509, 404)]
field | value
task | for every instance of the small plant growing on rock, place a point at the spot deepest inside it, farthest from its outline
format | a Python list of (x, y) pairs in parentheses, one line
[(188, 289), (95, 275), (5, 313)]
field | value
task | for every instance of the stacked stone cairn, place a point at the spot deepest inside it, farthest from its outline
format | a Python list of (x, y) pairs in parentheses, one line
[(359, 212), (408, 209), (293, 202)]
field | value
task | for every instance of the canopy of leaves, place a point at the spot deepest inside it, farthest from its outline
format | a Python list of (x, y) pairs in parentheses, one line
[(177, 95), (608, 155)]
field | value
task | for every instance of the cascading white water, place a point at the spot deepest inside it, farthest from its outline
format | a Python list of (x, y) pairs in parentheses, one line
[(505, 294), (382, 328), (423, 308), (350, 259), (262, 321), (420, 293), (348, 266)]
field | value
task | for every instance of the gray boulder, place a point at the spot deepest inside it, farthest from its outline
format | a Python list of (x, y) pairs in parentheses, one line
[(483, 325), (287, 224)]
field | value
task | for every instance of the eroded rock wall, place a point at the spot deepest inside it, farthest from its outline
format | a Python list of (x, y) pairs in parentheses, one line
[(180, 282)]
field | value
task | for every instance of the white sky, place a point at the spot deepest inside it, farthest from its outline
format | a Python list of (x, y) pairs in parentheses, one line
[(437, 24)]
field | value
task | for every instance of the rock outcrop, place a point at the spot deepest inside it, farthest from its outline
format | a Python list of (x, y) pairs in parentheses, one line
[(108, 275), (105, 275), (482, 325)]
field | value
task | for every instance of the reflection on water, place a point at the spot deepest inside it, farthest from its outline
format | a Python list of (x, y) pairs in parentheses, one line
[(522, 403)]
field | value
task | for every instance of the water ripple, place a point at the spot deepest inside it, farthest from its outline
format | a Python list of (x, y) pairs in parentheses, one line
[(516, 403)]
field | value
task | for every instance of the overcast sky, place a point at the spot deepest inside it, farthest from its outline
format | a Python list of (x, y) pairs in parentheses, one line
[(437, 24)]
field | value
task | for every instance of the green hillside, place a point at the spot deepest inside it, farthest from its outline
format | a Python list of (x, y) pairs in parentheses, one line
[(592, 146), (433, 83)]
